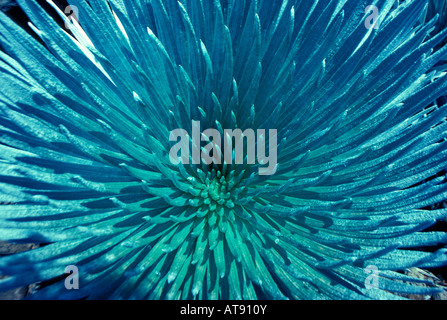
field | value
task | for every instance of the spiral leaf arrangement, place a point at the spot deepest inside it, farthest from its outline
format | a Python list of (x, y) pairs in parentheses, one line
[(85, 117)]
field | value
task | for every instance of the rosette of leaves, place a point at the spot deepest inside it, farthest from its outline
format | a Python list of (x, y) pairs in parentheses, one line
[(84, 144)]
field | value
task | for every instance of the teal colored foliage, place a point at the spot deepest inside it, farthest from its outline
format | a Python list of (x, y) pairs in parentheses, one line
[(85, 117), (438, 7)]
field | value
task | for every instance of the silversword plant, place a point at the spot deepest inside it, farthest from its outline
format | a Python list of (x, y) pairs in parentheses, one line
[(85, 167)]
